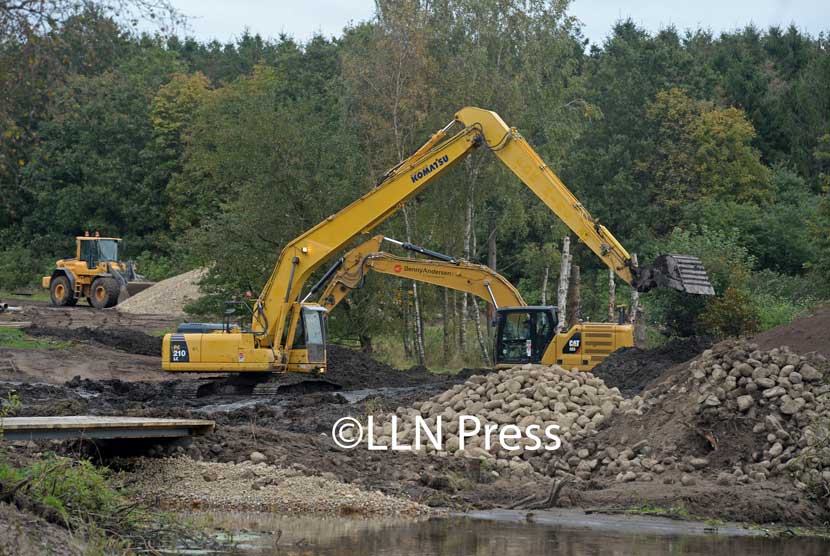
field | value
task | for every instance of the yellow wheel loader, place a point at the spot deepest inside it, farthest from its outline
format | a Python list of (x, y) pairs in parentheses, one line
[(95, 273), (524, 334), (286, 333)]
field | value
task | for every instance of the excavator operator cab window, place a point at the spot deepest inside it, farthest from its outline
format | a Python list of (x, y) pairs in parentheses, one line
[(523, 334), (311, 333)]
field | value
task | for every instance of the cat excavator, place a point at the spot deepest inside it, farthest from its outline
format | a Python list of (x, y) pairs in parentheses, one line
[(523, 334), (287, 333)]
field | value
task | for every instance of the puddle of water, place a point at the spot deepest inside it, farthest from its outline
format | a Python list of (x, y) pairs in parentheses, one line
[(494, 534)]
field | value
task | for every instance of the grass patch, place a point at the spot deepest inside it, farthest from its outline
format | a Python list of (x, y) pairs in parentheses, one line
[(17, 339), (675, 512), (36, 295)]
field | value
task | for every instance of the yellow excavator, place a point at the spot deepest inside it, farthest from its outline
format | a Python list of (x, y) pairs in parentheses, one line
[(524, 334), (288, 334)]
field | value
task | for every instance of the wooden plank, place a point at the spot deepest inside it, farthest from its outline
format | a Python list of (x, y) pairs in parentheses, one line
[(81, 426), (97, 422)]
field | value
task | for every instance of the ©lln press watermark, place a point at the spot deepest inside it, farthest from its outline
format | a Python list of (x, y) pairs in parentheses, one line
[(349, 433)]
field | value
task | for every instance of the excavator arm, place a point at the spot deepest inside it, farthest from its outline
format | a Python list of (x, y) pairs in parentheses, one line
[(457, 274), (680, 272)]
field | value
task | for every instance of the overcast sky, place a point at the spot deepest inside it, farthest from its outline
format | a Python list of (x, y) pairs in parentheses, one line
[(224, 20)]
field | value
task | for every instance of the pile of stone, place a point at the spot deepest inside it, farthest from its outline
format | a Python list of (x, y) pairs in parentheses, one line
[(776, 399), (576, 401), (787, 397), (168, 297), (254, 485)]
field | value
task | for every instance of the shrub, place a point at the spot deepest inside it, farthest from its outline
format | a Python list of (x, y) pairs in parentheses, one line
[(730, 315)]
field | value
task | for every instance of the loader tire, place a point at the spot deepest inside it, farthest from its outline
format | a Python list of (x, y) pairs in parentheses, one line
[(103, 293), (61, 292)]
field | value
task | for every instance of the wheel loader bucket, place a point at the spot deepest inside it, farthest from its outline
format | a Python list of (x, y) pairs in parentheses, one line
[(131, 289), (138, 286), (684, 273)]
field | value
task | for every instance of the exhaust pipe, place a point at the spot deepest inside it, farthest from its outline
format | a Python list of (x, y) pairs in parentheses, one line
[(683, 273)]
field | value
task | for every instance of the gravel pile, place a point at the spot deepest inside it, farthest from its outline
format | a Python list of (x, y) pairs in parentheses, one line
[(167, 297), (735, 415), (531, 394), (253, 485)]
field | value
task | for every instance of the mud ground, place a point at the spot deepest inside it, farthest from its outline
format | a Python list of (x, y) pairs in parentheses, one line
[(105, 370)]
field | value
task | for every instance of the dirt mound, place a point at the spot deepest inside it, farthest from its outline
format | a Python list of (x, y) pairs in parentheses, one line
[(803, 335), (354, 369), (735, 416), (167, 297), (631, 369), (116, 337)]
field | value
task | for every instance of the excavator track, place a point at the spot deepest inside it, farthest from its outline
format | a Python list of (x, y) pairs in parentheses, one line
[(193, 389), (259, 385)]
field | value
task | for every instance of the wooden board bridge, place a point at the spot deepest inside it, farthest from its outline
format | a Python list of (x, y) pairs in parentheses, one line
[(100, 427)]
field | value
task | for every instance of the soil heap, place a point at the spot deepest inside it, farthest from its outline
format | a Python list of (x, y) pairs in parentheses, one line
[(354, 369), (576, 401), (121, 338), (167, 297), (632, 369), (736, 415), (804, 335)]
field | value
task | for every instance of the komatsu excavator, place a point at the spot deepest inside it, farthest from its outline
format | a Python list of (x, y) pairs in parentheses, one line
[(523, 334), (288, 334)]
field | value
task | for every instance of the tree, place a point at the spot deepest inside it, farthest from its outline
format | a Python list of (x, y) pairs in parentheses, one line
[(701, 151)]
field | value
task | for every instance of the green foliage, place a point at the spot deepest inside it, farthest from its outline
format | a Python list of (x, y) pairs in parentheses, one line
[(701, 151), (727, 262), (9, 407), (77, 490), (730, 315), (19, 268)]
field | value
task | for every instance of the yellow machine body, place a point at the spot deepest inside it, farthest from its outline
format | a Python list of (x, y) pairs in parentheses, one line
[(94, 273)]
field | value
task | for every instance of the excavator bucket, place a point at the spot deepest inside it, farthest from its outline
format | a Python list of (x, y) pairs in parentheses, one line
[(684, 273)]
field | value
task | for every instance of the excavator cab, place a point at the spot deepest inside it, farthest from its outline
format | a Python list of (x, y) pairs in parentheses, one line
[(310, 334), (524, 333)]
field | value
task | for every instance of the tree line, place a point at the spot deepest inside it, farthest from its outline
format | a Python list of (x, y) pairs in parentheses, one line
[(216, 154)]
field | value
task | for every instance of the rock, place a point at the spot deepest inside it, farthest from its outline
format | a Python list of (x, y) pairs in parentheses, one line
[(793, 406), (216, 449), (210, 476), (687, 480), (699, 463), (629, 477), (765, 382), (776, 449), (725, 479), (745, 402), (809, 373), (513, 386), (774, 392), (257, 457), (711, 401), (260, 483)]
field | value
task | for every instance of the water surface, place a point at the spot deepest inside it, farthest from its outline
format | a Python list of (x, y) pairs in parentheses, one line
[(499, 533)]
